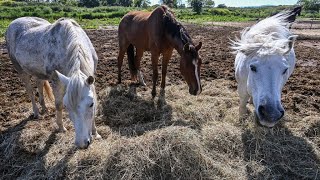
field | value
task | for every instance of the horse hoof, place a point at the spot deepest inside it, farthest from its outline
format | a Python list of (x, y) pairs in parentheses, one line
[(43, 111), (97, 136), (143, 84), (34, 116), (62, 129)]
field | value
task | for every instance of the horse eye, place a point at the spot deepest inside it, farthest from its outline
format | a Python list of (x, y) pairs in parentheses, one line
[(253, 68), (285, 71), (91, 105)]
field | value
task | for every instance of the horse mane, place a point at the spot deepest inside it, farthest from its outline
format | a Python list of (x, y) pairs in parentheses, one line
[(269, 36), (175, 28), (79, 67), (78, 58)]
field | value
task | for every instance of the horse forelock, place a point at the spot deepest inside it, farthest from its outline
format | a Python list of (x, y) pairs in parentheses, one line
[(267, 37), (76, 88)]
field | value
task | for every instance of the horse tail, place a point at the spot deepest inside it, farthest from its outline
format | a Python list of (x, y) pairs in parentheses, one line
[(291, 15), (48, 90), (130, 53)]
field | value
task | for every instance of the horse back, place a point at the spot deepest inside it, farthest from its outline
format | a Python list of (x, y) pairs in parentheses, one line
[(38, 48), (142, 29)]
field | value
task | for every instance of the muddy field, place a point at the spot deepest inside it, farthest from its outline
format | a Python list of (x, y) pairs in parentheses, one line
[(29, 144)]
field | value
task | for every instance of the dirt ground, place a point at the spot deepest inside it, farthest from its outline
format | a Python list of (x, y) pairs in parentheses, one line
[(301, 94)]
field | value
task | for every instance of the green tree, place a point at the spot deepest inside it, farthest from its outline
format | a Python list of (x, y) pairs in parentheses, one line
[(108, 2), (170, 3), (311, 5), (125, 3), (89, 3), (208, 3), (141, 3), (196, 5), (221, 6)]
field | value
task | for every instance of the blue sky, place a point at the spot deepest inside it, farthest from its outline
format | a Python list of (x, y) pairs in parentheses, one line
[(240, 3)]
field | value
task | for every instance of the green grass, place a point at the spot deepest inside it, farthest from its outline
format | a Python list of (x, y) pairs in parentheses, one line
[(92, 18), (4, 23)]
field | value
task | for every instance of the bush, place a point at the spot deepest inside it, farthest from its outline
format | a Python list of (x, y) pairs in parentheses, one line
[(68, 9), (47, 10), (219, 11), (37, 12), (9, 3), (56, 8)]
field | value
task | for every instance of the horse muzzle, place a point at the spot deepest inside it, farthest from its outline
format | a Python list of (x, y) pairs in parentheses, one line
[(84, 144), (268, 115), (195, 91)]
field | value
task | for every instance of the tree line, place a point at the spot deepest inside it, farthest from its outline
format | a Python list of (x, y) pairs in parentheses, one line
[(196, 5)]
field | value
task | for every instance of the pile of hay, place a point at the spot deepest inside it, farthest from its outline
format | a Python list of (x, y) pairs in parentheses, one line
[(182, 137)]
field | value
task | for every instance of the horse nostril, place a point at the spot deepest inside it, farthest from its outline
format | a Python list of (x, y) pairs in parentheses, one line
[(262, 110), (87, 143)]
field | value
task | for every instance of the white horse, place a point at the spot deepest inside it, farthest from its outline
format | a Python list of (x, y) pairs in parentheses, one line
[(60, 52), (265, 59)]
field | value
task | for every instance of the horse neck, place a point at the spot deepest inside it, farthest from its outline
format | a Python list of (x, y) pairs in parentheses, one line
[(178, 43), (78, 62)]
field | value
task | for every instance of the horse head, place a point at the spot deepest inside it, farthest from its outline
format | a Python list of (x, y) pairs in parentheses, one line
[(80, 102), (190, 67), (267, 75)]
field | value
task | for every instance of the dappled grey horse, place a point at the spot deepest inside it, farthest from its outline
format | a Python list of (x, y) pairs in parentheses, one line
[(60, 52)]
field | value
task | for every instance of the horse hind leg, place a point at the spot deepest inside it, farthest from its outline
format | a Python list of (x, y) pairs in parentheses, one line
[(26, 80), (40, 84), (120, 62)]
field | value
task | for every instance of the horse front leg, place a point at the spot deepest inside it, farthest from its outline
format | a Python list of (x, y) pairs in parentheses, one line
[(244, 97), (26, 80), (94, 131), (165, 60), (139, 54), (58, 92), (154, 59)]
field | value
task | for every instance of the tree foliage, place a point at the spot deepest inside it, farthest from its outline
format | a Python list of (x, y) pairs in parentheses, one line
[(208, 3), (125, 3), (89, 3), (170, 3), (141, 3), (311, 5), (196, 5), (221, 6)]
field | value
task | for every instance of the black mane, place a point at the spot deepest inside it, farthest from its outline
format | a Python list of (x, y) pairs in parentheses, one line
[(175, 28)]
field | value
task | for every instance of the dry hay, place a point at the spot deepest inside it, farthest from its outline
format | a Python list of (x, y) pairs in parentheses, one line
[(184, 137)]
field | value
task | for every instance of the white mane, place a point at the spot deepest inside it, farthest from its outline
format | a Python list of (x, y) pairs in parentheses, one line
[(76, 52), (269, 36), (79, 61)]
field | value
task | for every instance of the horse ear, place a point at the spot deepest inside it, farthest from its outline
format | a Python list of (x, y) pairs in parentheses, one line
[(90, 80), (198, 46), (64, 79), (291, 41), (186, 47)]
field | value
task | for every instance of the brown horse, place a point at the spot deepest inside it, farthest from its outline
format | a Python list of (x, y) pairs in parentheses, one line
[(158, 32)]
